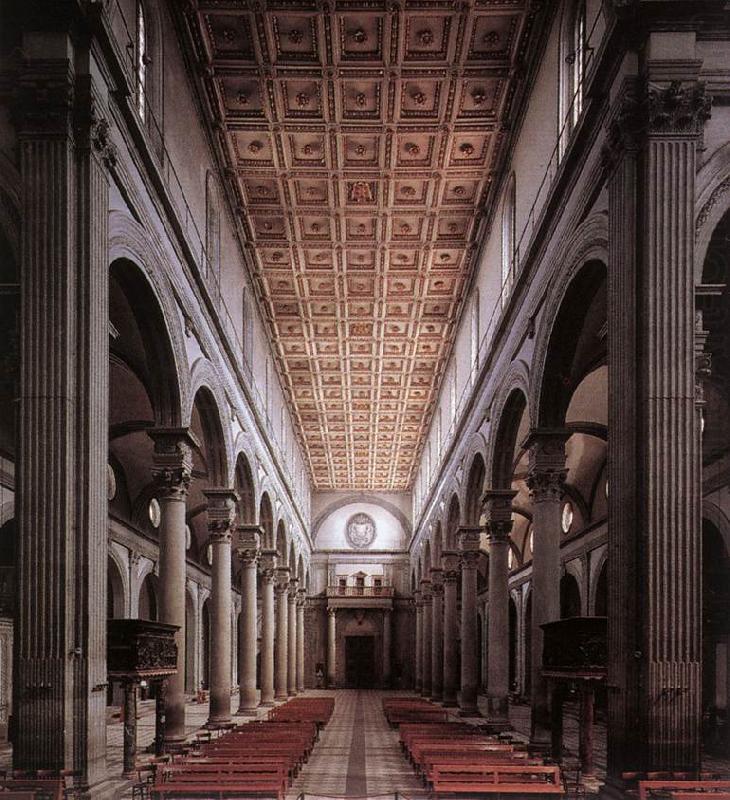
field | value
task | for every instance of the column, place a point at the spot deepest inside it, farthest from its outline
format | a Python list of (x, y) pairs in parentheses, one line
[(437, 634), (419, 641), (469, 548), (248, 539), (281, 651), (427, 601), (545, 480), (387, 645), (221, 511), (60, 627), (585, 745), (267, 568), (654, 456), (331, 648), (301, 604), (129, 763), (498, 507), (291, 672), (173, 464), (451, 563)]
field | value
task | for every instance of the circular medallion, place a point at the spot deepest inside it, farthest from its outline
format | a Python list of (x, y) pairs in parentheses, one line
[(360, 531), (154, 512), (188, 537), (567, 518), (111, 483)]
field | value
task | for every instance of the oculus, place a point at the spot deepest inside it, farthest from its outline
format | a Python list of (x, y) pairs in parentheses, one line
[(154, 512), (360, 531)]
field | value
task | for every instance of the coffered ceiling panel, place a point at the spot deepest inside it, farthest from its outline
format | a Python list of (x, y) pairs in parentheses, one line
[(361, 139)]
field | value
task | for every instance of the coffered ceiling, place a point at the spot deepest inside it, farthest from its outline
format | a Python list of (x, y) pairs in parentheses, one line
[(361, 141)]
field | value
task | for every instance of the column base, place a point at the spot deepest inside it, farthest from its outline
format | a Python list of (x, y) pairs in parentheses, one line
[(248, 711), (217, 724), (469, 712), (436, 697), (267, 704), (449, 703), (496, 725)]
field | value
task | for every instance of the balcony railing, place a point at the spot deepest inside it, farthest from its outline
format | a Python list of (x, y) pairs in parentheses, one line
[(360, 591)]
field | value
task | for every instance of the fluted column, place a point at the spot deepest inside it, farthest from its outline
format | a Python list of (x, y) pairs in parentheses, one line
[(281, 650), (546, 481), (427, 601), (248, 539), (331, 648), (291, 671), (221, 511), (469, 547), (418, 600), (173, 462), (301, 604), (61, 506), (437, 634), (499, 525), (387, 645), (267, 567), (655, 570), (451, 563)]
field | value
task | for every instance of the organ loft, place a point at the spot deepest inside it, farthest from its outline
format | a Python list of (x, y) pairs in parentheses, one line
[(364, 398)]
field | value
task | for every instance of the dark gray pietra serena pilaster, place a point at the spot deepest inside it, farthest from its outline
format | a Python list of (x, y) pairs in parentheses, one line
[(59, 691), (221, 512), (545, 480), (437, 633), (498, 508), (267, 569), (469, 549), (281, 649), (427, 601), (654, 446), (173, 466), (451, 562), (248, 539), (418, 600)]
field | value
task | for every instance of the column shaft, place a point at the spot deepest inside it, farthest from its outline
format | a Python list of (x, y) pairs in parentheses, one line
[(221, 510), (281, 651), (301, 602), (437, 635), (451, 564), (268, 562), (247, 552), (469, 543), (387, 647), (419, 642), (427, 601), (291, 677), (331, 648)]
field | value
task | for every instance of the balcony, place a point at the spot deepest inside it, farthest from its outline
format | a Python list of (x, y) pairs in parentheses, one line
[(360, 596), (360, 591)]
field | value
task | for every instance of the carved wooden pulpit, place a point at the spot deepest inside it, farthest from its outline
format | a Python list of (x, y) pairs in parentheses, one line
[(575, 654), (140, 650)]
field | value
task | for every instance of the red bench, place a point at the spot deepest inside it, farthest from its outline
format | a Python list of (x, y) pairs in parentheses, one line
[(497, 779), (693, 787), (217, 790)]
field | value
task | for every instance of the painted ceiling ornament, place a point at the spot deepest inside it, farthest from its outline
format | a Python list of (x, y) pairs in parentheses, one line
[(360, 98), (425, 37), (478, 96), (361, 192), (255, 146), (303, 99), (491, 37), (228, 34), (360, 149), (413, 149), (360, 531), (467, 148), (295, 36), (360, 36), (242, 98), (419, 98)]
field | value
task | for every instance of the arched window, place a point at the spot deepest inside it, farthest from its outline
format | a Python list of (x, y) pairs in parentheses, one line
[(140, 60), (572, 68), (508, 237)]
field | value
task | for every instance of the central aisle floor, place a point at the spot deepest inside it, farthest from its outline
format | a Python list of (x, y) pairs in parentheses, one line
[(357, 753)]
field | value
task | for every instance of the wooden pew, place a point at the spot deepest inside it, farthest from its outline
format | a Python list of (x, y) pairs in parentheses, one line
[(694, 787), (217, 790), (43, 788), (497, 779)]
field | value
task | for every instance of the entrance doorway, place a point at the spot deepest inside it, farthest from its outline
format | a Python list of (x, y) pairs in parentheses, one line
[(360, 662)]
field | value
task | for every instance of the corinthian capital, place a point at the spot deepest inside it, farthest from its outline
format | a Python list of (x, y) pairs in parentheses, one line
[(221, 512), (680, 107), (173, 461), (247, 543), (267, 566), (281, 587), (546, 476)]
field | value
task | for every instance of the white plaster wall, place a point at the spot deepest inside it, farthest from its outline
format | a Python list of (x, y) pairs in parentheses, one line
[(389, 533)]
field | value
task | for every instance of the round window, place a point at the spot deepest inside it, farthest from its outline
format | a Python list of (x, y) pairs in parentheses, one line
[(188, 537), (154, 512), (531, 542), (567, 520), (111, 483), (511, 559), (209, 554)]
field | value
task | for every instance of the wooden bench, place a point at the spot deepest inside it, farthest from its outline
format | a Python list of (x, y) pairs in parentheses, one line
[(216, 790), (497, 779), (43, 788), (693, 787)]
